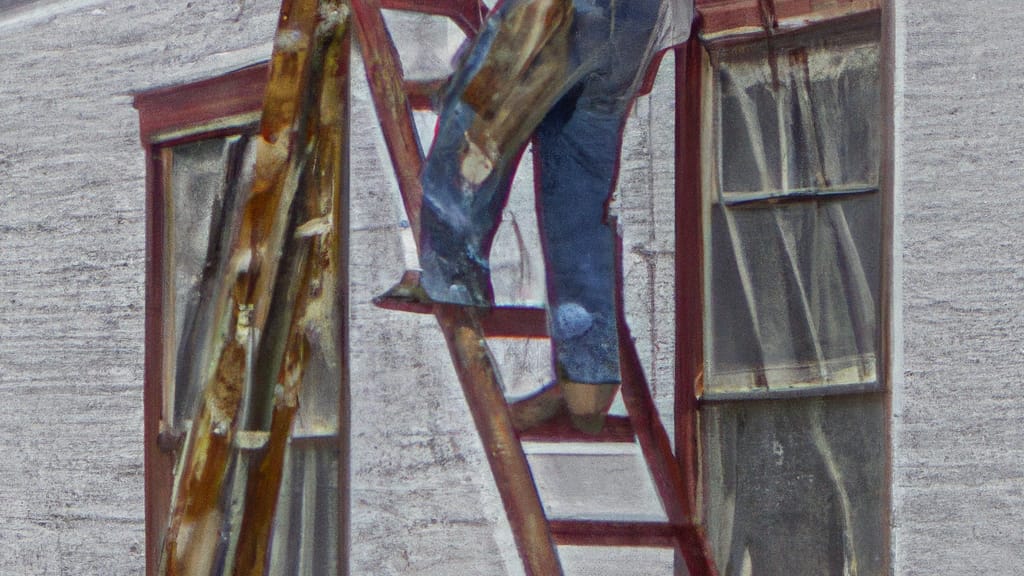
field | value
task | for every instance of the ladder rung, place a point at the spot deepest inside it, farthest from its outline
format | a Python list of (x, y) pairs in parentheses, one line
[(515, 322), (422, 92), (559, 429), (497, 322), (614, 533), (467, 14)]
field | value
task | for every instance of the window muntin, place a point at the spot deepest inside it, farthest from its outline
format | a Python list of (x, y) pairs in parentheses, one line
[(794, 215)]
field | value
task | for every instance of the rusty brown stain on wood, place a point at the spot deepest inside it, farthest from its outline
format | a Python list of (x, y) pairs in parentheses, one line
[(245, 293), (319, 265), (518, 82)]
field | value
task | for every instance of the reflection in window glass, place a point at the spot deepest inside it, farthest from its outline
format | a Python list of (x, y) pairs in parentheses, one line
[(306, 527), (199, 211), (794, 294), (801, 118), (796, 487)]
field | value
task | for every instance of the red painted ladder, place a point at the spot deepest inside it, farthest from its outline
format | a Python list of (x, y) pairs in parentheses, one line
[(466, 332)]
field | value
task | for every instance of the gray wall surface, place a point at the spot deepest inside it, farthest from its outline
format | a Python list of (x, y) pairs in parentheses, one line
[(959, 443), (72, 212)]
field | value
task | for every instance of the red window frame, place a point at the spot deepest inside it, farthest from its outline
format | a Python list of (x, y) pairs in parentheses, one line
[(740, 21)]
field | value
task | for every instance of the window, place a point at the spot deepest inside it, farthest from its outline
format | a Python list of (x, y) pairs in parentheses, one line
[(793, 408), (795, 214), (200, 141)]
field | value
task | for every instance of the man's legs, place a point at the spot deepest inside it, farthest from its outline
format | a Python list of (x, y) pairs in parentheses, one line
[(516, 69), (486, 117), (578, 156), (579, 144), (530, 53)]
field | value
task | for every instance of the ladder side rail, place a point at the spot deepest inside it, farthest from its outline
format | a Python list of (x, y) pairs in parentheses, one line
[(657, 451), (394, 111), (655, 445), (512, 473), (470, 355)]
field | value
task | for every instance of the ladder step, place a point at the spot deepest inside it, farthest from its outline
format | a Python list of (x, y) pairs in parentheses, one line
[(515, 322), (614, 533), (559, 429), (497, 322)]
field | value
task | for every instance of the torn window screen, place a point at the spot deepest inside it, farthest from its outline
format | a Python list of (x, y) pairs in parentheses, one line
[(795, 215)]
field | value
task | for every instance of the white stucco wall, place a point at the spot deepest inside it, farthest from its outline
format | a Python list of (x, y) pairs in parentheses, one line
[(72, 264), (72, 290), (959, 443)]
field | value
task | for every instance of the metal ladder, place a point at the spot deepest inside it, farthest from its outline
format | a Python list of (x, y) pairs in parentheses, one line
[(466, 332)]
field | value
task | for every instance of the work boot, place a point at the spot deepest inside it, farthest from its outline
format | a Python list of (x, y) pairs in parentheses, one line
[(537, 408), (409, 295), (588, 403)]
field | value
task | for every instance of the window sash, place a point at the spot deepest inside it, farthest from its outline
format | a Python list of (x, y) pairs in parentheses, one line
[(789, 180), (802, 119)]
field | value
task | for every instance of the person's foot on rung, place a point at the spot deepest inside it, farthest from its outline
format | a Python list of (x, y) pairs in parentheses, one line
[(588, 404), (409, 295), (537, 408)]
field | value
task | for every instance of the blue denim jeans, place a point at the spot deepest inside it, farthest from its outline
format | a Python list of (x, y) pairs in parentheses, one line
[(578, 129)]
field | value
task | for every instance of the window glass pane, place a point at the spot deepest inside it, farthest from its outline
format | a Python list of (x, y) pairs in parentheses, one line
[(793, 286), (795, 487), (794, 294), (201, 218), (803, 117), (305, 541), (198, 211)]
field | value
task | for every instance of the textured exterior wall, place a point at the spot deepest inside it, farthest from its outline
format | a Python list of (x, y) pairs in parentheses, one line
[(71, 301), (72, 205), (959, 443)]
